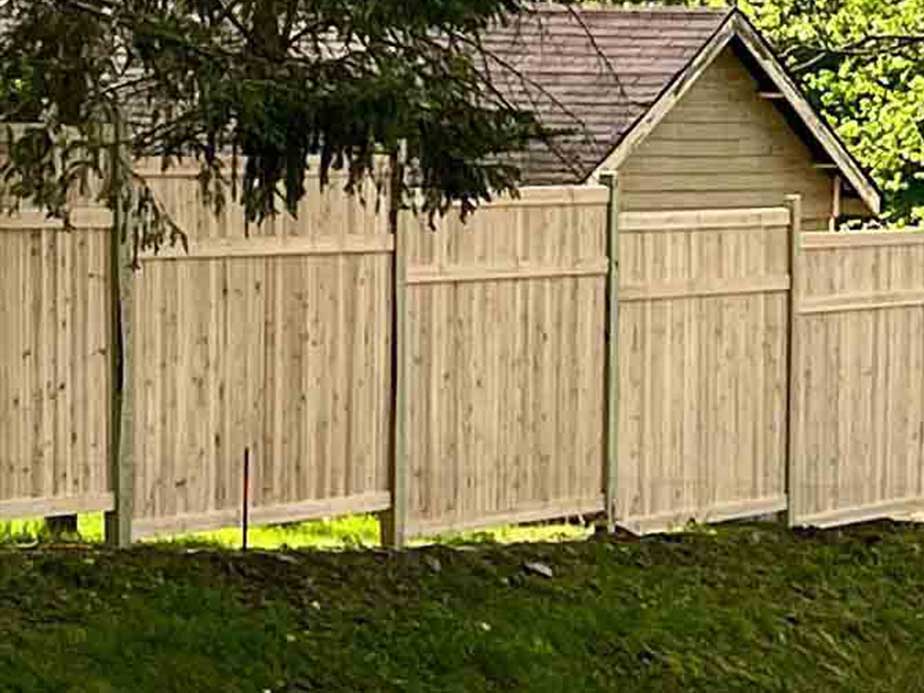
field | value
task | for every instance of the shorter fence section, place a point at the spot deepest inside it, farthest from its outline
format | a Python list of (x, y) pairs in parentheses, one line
[(702, 366), (858, 377), (504, 335)]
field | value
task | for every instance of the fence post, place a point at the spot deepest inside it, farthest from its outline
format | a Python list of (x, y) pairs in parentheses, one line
[(611, 361), (121, 405), (394, 521), (794, 202)]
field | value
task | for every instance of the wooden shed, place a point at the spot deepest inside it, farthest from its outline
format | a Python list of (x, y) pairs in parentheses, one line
[(690, 106)]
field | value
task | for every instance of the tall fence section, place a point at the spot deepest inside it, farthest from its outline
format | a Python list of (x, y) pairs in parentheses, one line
[(552, 357), (275, 339), (54, 365), (503, 360)]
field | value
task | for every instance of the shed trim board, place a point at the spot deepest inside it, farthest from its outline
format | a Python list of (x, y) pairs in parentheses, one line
[(737, 26)]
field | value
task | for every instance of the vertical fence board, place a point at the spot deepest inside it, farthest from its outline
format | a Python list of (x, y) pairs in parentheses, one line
[(611, 383)]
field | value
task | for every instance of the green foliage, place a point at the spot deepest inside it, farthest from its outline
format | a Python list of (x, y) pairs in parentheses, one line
[(862, 62), (737, 608), (275, 82), (278, 81)]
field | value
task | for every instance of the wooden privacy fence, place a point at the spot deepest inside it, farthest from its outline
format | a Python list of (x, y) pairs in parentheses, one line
[(554, 356), (275, 338), (858, 377), (702, 366), (503, 360), (54, 365)]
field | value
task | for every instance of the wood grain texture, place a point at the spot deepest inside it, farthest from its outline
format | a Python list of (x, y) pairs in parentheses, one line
[(505, 372), (54, 366), (703, 373), (275, 338), (859, 388)]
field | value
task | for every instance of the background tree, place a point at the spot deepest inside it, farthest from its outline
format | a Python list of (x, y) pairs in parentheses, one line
[(277, 81), (862, 62), (271, 83)]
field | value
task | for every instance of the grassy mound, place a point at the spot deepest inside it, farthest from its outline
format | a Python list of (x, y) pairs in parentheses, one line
[(739, 608)]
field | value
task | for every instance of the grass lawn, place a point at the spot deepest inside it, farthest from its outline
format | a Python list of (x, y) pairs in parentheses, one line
[(352, 532), (739, 608)]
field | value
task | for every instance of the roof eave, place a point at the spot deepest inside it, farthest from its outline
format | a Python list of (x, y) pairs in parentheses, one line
[(738, 26), (668, 98), (761, 52)]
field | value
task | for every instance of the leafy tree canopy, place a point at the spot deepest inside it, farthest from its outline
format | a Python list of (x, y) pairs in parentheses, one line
[(862, 61), (274, 82)]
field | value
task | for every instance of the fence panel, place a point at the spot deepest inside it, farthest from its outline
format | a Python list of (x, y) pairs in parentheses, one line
[(54, 364), (858, 413), (702, 366), (274, 338), (505, 361)]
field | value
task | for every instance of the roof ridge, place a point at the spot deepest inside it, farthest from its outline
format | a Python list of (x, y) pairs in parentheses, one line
[(593, 6)]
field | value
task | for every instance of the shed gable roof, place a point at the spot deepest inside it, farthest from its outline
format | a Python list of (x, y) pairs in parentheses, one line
[(609, 75), (593, 72)]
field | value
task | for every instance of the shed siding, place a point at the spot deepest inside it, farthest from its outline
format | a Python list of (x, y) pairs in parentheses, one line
[(723, 146)]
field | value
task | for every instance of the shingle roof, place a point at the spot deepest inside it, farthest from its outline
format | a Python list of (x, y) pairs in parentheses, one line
[(593, 71)]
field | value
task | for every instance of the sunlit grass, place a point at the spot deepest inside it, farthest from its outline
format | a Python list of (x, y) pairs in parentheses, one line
[(89, 529), (356, 531)]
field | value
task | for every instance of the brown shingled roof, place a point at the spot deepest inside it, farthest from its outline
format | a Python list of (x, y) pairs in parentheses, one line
[(593, 71)]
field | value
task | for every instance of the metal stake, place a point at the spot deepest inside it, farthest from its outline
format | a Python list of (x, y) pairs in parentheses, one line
[(246, 509)]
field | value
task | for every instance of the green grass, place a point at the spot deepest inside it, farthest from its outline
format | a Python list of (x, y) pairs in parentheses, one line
[(357, 531), (738, 609)]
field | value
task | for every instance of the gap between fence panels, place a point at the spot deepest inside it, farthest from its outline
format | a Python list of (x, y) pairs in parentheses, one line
[(675, 520)]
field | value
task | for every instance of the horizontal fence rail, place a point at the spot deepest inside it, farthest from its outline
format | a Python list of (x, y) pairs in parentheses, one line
[(555, 356)]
